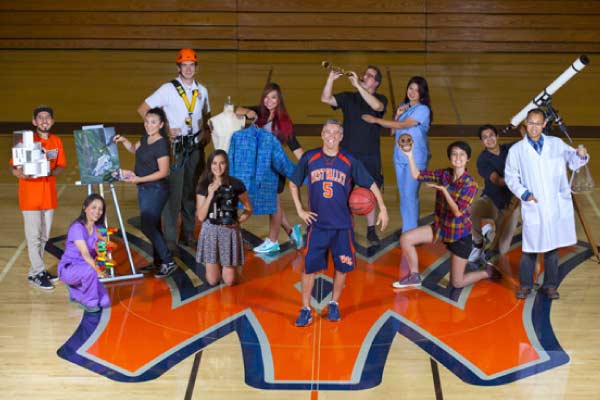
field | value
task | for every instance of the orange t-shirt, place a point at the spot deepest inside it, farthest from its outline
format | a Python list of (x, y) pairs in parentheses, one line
[(40, 193)]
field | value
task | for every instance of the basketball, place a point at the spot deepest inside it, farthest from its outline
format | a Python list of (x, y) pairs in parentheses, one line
[(362, 201)]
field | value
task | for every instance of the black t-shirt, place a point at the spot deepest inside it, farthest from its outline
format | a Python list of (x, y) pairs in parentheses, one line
[(147, 155), (487, 163), (237, 186), (360, 137), (292, 142)]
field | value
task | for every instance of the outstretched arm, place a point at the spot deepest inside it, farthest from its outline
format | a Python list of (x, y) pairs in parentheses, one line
[(407, 123)]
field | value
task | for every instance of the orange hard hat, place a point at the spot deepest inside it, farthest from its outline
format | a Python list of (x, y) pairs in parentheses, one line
[(186, 55)]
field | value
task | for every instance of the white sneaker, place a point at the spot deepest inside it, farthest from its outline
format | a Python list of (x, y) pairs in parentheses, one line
[(488, 231), (476, 254), (267, 247)]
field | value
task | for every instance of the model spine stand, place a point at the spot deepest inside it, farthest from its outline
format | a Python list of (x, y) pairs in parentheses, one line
[(104, 249)]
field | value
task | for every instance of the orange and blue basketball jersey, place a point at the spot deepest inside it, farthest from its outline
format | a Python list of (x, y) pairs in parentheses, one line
[(330, 180)]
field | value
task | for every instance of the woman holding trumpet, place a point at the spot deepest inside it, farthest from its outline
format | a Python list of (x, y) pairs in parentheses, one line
[(412, 118)]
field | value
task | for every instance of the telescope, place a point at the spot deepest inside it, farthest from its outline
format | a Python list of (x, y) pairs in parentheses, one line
[(545, 96), (328, 65)]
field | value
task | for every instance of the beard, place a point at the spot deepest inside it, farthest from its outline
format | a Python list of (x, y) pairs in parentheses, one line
[(45, 129)]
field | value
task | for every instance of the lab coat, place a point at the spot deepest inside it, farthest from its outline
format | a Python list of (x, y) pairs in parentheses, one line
[(549, 223)]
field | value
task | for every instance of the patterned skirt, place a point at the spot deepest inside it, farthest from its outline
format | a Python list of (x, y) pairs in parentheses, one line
[(220, 244)]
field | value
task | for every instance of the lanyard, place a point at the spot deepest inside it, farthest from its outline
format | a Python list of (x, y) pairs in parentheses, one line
[(181, 91)]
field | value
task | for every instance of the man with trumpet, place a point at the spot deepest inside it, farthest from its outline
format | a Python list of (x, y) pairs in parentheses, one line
[(360, 137)]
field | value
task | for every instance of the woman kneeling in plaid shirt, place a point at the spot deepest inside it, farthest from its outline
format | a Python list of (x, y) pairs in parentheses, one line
[(456, 189)]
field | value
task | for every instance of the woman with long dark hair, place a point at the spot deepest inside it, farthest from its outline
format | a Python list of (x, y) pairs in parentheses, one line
[(413, 117), (220, 245), (77, 266), (272, 116), (150, 175)]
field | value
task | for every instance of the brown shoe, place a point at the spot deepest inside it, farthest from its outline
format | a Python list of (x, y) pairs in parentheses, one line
[(523, 292), (551, 293)]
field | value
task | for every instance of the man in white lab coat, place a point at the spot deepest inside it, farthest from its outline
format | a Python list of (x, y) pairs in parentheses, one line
[(536, 173)]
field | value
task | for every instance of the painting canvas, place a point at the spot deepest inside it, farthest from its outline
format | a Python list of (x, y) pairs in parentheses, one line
[(97, 154)]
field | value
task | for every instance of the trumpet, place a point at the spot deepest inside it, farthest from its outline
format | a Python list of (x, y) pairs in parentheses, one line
[(328, 65)]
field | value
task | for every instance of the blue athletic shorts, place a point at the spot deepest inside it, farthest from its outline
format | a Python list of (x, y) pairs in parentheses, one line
[(320, 242)]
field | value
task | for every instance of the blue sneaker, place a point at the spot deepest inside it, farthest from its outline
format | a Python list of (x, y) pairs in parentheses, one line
[(267, 247), (296, 236), (333, 312), (305, 317)]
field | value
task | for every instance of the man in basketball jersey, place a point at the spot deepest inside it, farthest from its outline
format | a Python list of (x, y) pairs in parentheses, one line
[(331, 173), (187, 107)]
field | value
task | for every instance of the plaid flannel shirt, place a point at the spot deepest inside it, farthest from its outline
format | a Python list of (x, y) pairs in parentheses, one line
[(446, 226)]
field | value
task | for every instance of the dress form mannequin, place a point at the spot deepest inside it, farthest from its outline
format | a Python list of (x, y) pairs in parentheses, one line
[(224, 125)]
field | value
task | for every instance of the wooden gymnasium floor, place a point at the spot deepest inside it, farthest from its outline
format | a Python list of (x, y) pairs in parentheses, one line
[(485, 343)]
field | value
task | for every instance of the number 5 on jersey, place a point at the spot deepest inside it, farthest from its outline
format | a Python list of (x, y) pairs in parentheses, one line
[(328, 190)]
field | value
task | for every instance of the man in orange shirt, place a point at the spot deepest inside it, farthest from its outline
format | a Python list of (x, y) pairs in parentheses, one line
[(38, 199)]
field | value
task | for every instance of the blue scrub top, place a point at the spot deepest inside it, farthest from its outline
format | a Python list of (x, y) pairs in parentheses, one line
[(422, 115)]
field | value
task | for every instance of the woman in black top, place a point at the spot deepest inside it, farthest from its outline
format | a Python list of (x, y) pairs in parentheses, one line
[(220, 246), (272, 116), (150, 176)]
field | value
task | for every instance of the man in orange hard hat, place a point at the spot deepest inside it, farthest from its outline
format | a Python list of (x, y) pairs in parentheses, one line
[(186, 104)]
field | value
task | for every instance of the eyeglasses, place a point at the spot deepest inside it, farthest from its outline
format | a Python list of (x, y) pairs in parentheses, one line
[(486, 137), (535, 123)]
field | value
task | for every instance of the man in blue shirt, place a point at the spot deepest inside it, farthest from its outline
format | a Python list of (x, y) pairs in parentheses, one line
[(496, 197), (331, 173)]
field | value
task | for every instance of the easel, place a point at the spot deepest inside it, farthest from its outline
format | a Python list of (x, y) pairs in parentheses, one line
[(134, 274), (552, 117)]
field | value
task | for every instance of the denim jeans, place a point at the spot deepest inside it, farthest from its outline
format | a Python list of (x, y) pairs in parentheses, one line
[(152, 197)]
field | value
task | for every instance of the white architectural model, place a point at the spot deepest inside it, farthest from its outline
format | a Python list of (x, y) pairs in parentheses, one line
[(30, 155)]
